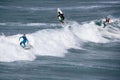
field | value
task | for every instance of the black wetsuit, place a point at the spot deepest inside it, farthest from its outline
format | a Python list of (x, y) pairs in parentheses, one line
[(61, 19)]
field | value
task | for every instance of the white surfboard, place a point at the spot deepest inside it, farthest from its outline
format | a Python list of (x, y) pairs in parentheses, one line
[(59, 10), (28, 46)]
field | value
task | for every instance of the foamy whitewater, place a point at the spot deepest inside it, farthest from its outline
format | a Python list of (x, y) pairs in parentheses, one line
[(55, 42)]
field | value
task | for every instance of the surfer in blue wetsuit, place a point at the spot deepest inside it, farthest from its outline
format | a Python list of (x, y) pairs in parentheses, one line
[(61, 17), (23, 42)]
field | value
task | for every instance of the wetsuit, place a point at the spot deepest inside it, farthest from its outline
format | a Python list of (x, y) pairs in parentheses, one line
[(22, 43), (61, 18), (106, 22)]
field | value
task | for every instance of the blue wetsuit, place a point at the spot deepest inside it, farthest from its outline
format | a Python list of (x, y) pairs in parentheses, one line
[(22, 43)]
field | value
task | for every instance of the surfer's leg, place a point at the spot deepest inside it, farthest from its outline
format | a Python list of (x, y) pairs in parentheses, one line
[(21, 44), (24, 45), (62, 21), (104, 24)]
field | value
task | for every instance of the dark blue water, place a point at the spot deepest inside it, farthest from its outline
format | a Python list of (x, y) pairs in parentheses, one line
[(81, 50)]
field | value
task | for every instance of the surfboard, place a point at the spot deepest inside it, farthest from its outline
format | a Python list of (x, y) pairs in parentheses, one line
[(98, 23), (28, 46), (59, 10)]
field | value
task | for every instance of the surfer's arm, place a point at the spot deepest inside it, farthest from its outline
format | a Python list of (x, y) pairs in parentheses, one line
[(58, 15), (20, 38)]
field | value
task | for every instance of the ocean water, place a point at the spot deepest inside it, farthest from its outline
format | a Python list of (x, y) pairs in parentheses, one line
[(81, 50)]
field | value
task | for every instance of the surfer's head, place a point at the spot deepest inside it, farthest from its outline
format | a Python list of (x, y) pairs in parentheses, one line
[(24, 34), (58, 12)]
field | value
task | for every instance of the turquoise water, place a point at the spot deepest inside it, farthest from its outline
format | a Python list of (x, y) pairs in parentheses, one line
[(81, 50)]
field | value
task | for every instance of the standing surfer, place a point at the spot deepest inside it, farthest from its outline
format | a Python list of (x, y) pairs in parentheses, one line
[(61, 17), (23, 42), (107, 20)]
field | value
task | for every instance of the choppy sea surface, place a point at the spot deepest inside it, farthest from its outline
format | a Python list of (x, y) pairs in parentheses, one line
[(80, 50)]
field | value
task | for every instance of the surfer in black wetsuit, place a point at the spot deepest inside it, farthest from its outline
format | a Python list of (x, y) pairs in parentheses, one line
[(107, 20), (61, 17)]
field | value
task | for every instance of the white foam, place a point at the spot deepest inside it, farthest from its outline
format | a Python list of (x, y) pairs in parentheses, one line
[(88, 32), (10, 50), (28, 24), (55, 42), (27, 8), (46, 42)]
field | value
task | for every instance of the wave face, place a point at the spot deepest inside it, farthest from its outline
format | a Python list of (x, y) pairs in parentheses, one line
[(55, 42)]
